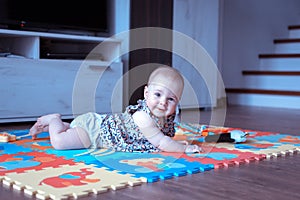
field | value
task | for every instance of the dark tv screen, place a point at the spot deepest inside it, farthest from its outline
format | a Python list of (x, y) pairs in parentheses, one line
[(55, 15)]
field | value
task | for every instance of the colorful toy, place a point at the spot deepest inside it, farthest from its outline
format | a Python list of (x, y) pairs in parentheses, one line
[(233, 136), (6, 137)]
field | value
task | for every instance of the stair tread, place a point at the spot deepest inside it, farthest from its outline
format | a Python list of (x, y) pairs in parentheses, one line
[(263, 91), (292, 27), (287, 40), (269, 72)]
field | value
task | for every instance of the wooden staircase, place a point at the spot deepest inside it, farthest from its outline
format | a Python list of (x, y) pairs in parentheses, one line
[(277, 82)]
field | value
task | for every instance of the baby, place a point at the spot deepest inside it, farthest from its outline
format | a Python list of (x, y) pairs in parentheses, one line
[(145, 127)]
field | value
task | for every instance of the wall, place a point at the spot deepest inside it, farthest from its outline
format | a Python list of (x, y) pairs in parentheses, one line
[(249, 28)]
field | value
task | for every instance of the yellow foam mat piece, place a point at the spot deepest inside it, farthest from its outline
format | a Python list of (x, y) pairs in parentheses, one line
[(69, 181)]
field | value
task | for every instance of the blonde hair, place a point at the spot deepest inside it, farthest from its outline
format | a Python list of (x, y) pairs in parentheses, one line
[(168, 77)]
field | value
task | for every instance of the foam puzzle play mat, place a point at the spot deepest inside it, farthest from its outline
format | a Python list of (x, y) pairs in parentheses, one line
[(38, 170)]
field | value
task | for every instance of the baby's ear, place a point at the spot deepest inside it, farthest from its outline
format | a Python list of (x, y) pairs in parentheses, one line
[(146, 92)]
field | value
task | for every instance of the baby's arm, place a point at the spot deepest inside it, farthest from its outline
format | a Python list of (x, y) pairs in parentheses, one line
[(157, 138)]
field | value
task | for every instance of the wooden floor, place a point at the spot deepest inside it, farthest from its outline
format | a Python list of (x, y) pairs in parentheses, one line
[(269, 179)]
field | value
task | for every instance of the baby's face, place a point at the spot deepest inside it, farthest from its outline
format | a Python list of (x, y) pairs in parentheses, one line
[(160, 100)]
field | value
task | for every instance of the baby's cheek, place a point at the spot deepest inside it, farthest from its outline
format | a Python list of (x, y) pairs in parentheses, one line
[(172, 109)]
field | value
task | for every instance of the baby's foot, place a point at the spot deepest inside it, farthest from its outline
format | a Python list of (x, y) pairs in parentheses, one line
[(42, 124), (37, 128)]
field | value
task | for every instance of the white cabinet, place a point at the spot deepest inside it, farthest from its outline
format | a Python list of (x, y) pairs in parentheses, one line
[(195, 43), (41, 71)]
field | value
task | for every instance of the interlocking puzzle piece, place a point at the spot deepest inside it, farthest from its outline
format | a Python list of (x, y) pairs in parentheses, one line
[(6, 137), (23, 161), (280, 138), (151, 166), (253, 134), (11, 148), (69, 181), (19, 132), (222, 157), (269, 149), (25, 141), (78, 155), (39, 144)]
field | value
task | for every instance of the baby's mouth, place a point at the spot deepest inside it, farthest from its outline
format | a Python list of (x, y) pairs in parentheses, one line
[(161, 109)]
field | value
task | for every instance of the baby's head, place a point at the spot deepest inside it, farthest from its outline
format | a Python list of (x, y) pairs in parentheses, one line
[(168, 77)]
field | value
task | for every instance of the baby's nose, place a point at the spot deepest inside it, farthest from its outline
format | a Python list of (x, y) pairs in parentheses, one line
[(163, 101)]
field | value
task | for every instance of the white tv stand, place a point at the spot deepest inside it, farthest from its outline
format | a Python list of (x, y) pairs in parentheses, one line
[(40, 70)]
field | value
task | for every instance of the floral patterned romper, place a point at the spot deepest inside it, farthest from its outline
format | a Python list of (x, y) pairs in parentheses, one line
[(119, 132)]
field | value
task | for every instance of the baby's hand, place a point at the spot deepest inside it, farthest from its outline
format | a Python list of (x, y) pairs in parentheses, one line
[(193, 149)]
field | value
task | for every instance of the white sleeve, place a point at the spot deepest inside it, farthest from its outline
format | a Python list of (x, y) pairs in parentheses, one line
[(147, 126)]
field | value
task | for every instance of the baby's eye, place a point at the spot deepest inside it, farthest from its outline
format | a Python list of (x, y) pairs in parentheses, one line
[(157, 94), (171, 99)]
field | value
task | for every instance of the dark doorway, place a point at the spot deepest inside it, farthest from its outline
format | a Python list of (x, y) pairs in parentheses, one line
[(149, 13)]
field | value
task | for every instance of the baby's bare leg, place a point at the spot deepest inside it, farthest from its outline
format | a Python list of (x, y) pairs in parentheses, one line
[(63, 137)]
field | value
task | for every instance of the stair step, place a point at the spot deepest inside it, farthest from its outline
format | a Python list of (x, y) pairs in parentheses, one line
[(294, 33), (273, 73), (271, 82), (287, 47), (279, 64), (265, 100), (279, 55), (262, 91)]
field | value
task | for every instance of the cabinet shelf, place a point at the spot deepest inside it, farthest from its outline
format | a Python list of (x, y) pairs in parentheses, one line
[(41, 80), (39, 45)]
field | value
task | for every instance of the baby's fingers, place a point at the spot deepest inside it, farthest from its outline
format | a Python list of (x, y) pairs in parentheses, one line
[(193, 149)]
